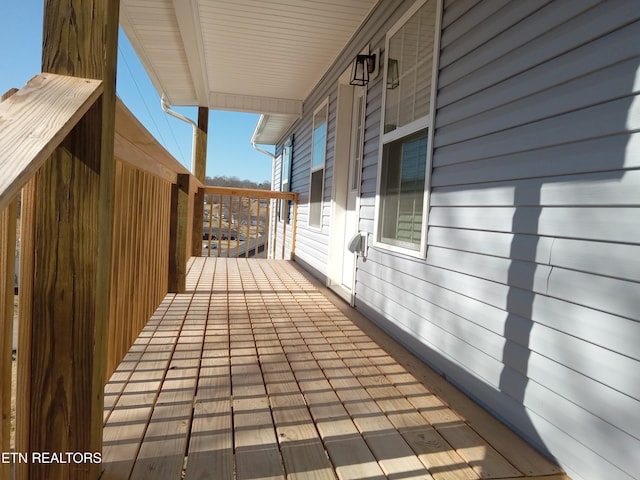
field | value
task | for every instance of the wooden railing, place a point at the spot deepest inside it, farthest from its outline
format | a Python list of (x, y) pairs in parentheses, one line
[(150, 237), (35, 120), (149, 242), (146, 180), (244, 222), (152, 201)]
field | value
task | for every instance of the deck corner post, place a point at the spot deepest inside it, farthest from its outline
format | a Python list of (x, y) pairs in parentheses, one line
[(178, 234), (61, 389), (294, 228), (198, 222)]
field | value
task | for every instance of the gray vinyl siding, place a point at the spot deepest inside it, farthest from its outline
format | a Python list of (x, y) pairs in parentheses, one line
[(369, 175), (312, 244), (529, 296)]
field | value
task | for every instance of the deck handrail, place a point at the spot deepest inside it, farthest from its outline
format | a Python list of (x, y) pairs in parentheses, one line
[(239, 203), (35, 120), (135, 145)]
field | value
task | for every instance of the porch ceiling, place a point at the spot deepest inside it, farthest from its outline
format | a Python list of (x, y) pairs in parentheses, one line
[(260, 56)]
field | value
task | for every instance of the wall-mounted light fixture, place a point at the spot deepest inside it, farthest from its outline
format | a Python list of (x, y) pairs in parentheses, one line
[(393, 75), (363, 66)]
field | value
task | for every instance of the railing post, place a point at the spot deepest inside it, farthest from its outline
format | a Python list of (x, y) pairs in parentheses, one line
[(178, 234), (198, 222), (62, 394), (267, 229), (278, 203), (294, 227), (285, 206)]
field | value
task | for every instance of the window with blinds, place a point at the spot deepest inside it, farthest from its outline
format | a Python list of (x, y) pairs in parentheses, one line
[(405, 132), (318, 157)]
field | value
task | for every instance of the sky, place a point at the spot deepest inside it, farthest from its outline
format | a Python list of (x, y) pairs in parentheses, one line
[(229, 151)]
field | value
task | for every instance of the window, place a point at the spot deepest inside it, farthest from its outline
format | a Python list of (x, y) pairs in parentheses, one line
[(406, 128), (318, 157), (285, 177), (402, 190)]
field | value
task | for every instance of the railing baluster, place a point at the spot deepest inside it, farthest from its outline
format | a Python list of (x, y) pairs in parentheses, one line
[(8, 225), (259, 201), (219, 235), (229, 218), (210, 226), (238, 220)]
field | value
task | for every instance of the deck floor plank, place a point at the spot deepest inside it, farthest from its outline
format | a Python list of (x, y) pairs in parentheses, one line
[(129, 418), (476, 452), (210, 451), (347, 449), (256, 445), (257, 372), (162, 452)]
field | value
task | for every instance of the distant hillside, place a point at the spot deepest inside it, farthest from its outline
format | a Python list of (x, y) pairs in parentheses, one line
[(220, 181)]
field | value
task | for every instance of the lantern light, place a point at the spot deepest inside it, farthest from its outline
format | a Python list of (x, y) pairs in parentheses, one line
[(363, 66)]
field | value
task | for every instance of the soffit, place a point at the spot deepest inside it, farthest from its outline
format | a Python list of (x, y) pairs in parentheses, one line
[(262, 56)]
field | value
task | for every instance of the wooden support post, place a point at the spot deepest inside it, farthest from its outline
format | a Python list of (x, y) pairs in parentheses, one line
[(178, 234), (61, 389), (294, 227), (198, 223), (275, 226), (200, 172), (200, 167), (285, 206)]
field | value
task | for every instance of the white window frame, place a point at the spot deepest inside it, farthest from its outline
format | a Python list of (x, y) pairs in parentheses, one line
[(406, 130), (285, 180), (313, 169)]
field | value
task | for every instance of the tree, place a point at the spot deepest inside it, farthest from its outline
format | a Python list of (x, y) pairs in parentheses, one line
[(224, 181)]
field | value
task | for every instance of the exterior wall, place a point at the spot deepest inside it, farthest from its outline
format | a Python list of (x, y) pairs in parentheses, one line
[(312, 244), (529, 296)]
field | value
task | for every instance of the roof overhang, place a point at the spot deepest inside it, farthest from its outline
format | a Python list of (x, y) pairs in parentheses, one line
[(259, 56), (271, 128)]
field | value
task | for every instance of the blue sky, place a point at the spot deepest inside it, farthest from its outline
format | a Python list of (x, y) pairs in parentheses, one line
[(229, 153)]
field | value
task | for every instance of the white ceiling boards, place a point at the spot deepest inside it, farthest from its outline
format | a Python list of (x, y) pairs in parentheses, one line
[(261, 56)]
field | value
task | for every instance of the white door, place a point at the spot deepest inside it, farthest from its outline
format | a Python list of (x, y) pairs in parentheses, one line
[(353, 185)]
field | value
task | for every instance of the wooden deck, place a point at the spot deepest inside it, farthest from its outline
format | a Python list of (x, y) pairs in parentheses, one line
[(257, 372)]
